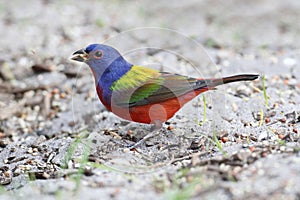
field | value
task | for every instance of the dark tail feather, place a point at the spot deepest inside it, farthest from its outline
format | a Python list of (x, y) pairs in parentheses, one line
[(211, 83), (242, 77)]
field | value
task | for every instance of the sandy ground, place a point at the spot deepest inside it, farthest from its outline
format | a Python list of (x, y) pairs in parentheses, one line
[(241, 141)]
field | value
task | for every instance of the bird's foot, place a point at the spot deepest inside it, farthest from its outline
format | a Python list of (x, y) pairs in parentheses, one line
[(144, 139), (123, 144), (154, 132), (137, 144)]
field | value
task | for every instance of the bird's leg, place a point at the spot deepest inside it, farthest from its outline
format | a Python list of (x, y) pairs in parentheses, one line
[(154, 131)]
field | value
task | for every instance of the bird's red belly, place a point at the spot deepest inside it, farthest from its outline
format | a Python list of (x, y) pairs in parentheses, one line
[(155, 112)]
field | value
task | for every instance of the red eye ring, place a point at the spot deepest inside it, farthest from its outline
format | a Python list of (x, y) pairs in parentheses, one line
[(98, 54)]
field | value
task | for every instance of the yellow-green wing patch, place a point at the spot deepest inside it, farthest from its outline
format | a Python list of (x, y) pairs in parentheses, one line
[(137, 84)]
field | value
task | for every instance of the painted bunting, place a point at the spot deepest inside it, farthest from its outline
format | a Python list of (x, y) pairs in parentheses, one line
[(141, 94)]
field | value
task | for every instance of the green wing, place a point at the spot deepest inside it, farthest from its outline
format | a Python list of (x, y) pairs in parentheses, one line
[(142, 86)]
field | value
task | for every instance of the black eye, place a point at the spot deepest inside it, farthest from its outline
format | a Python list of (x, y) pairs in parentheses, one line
[(98, 54)]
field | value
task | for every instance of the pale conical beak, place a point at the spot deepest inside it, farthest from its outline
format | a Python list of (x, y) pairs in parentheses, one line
[(80, 56)]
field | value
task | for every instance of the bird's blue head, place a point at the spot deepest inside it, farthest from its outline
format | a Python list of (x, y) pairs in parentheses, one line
[(105, 61)]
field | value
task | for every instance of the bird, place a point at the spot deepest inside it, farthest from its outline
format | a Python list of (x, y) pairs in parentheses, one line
[(141, 94)]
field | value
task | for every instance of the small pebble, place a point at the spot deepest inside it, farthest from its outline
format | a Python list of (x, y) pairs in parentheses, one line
[(224, 167), (36, 108), (30, 118), (267, 120), (30, 150), (283, 120), (282, 148), (17, 172), (263, 136), (252, 148), (289, 62), (55, 91), (276, 105), (280, 136), (3, 143), (264, 154), (8, 173), (46, 175), (256, 89), (70, 164), (224, 139), (56, 96), (22, 123), (129, 132), (63, 95), (63, 107)]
